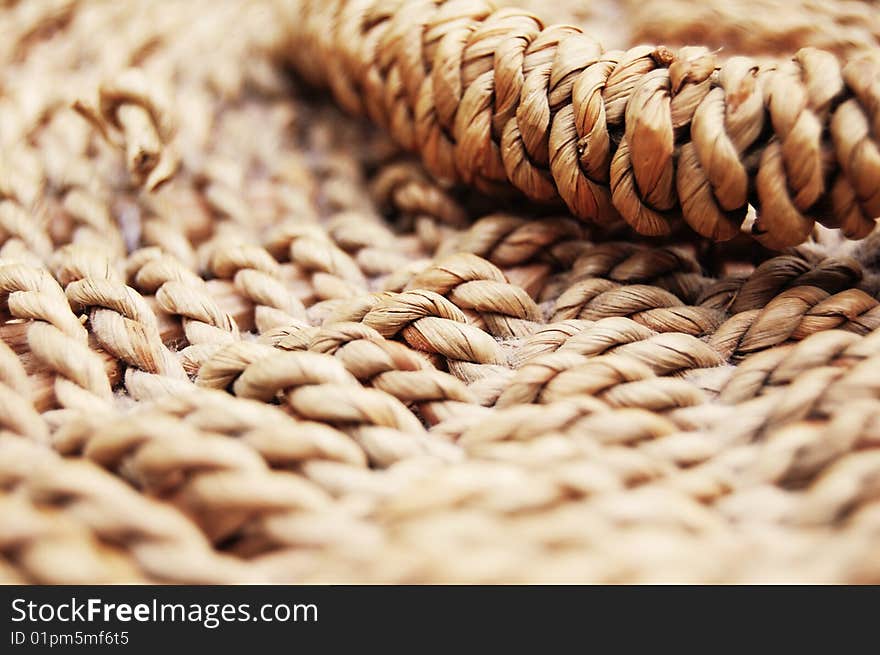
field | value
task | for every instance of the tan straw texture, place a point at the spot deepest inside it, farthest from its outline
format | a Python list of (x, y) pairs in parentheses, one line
[(505, 305)]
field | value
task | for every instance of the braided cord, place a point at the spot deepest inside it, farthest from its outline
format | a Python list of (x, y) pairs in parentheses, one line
[(497, 100)]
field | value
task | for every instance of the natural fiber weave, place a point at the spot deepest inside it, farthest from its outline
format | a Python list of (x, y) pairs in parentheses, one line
[(495, 99), (246, 338)]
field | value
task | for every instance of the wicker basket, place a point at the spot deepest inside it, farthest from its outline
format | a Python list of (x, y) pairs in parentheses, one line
[(424, 291)]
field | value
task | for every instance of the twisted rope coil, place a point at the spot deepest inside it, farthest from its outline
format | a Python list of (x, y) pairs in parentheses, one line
[(495, 99), (298, 360)]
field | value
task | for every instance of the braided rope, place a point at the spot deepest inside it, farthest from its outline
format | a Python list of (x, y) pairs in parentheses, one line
[(243, 339), (103, 514), (495, 99)]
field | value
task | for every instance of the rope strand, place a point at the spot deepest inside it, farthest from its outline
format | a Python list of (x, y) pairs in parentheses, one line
[(497, 100)]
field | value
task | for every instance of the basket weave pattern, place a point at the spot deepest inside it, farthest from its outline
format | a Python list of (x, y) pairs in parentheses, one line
[(480, 331)]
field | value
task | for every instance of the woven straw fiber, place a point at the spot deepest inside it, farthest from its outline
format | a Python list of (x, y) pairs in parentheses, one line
[(417, 291)]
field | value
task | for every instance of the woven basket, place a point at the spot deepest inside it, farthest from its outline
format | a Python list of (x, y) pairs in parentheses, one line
[(419, 291)]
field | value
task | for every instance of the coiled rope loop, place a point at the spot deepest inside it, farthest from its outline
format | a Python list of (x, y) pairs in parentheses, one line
[(495, 99)]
